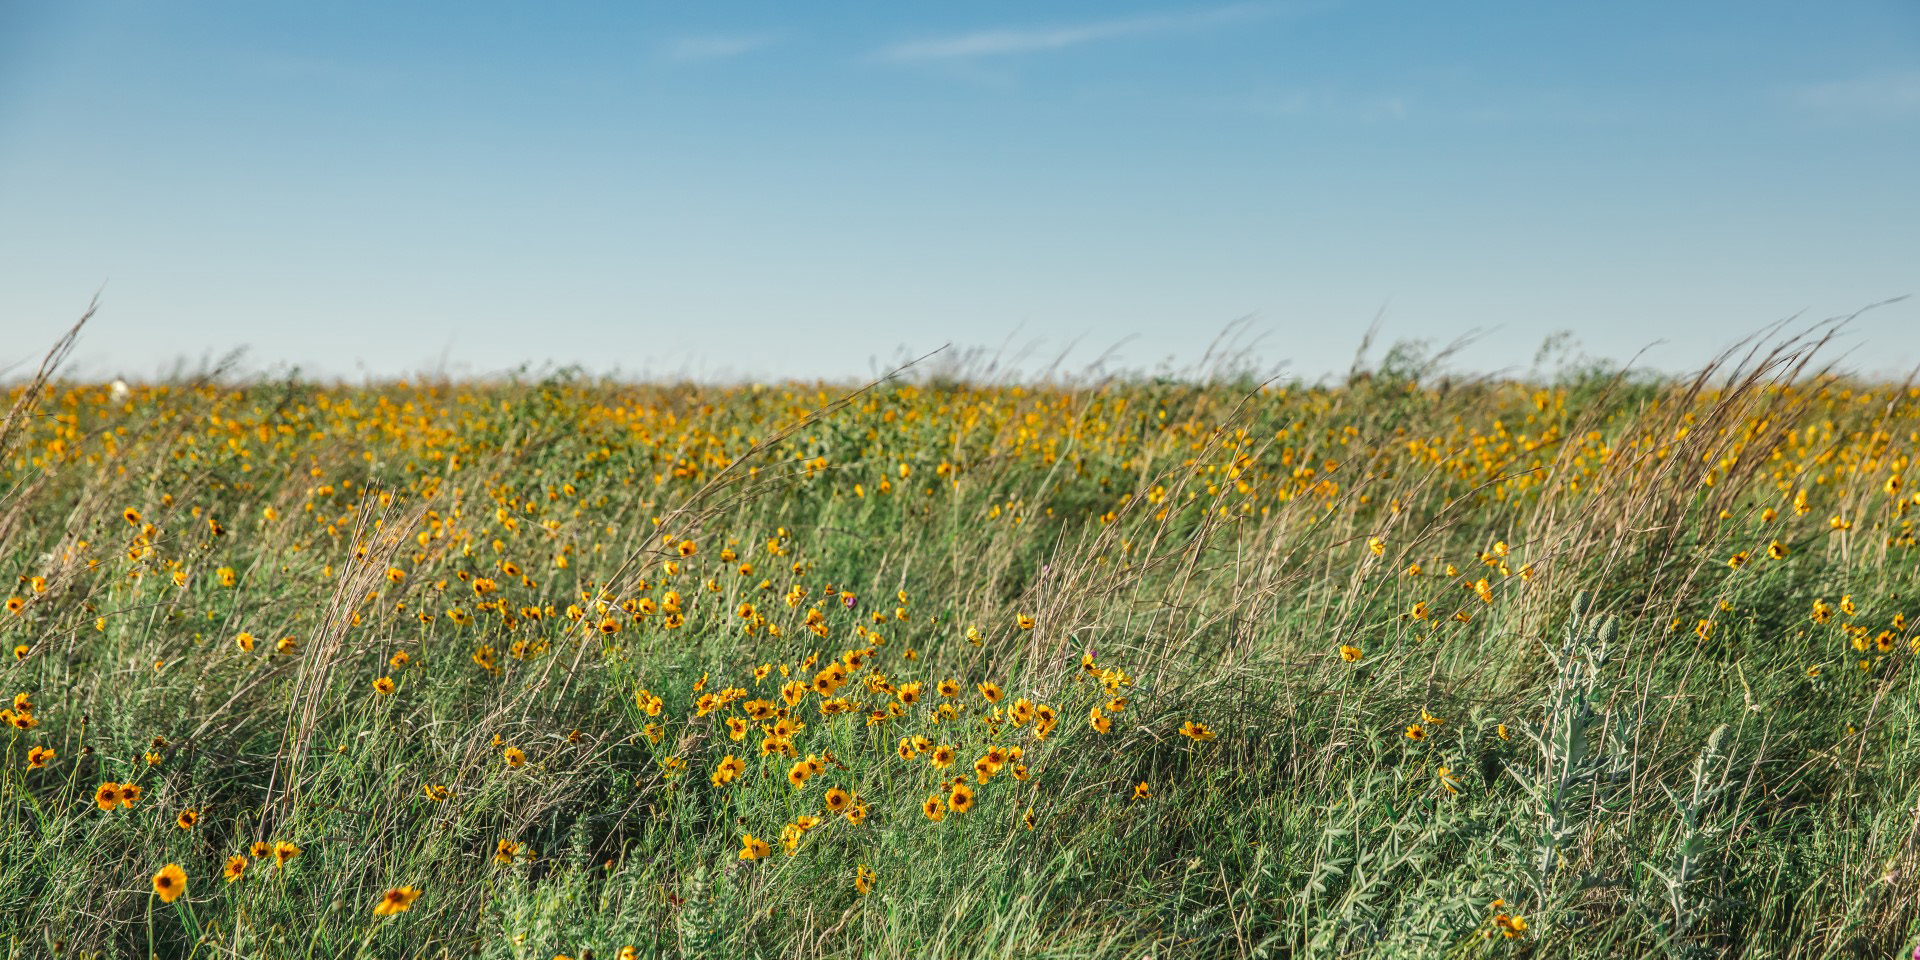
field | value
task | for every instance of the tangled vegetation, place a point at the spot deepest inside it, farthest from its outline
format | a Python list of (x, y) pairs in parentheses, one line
[(1593, 666)]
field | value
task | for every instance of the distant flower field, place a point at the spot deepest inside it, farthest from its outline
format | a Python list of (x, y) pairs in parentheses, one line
[(1594, 666)]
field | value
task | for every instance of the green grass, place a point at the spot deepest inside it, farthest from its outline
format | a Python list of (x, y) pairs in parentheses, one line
[(1624, 784)]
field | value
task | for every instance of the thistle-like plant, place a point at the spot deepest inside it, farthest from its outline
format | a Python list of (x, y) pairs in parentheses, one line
[(1576, 753)]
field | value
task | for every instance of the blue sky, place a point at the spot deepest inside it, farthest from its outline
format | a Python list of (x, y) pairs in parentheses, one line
[(767, 190)]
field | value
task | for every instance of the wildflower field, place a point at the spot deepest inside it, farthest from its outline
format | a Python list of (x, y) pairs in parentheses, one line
[(1600, 665)]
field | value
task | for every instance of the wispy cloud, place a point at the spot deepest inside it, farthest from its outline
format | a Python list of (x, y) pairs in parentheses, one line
[(1292, 103), (1882, 93), (1011, 41), (688, 49), (1369, 108)]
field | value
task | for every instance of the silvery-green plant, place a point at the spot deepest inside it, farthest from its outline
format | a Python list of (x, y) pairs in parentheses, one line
[(1695, 842), (1576, 754)]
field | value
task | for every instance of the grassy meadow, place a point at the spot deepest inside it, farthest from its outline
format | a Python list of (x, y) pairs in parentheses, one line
[(1594, 665)]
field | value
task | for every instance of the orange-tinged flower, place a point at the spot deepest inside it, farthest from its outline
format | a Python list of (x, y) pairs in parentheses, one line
[(1509, 926), (753, 848), (236, 866), (170, 882), (187, 819), (107, 795), (397, 900), (727, 770), (993, 759), (960, 798), (284, 851)]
